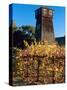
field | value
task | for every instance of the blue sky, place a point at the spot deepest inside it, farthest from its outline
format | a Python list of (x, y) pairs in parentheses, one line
[(25, 15)]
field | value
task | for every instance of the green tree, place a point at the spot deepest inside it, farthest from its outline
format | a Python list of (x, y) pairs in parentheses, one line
[(29, 28)]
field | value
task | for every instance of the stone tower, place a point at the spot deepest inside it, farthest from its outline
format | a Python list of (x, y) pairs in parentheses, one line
[(44, 25)]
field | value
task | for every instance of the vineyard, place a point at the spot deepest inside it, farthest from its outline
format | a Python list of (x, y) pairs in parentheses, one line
[(39, 63)]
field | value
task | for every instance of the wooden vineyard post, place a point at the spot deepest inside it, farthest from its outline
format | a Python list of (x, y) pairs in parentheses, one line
[(53, 81)]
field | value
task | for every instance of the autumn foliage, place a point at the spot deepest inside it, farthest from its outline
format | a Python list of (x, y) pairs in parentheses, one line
[(39, 63)]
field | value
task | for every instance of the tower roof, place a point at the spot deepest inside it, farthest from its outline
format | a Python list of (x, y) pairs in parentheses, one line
[(44, 7)]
